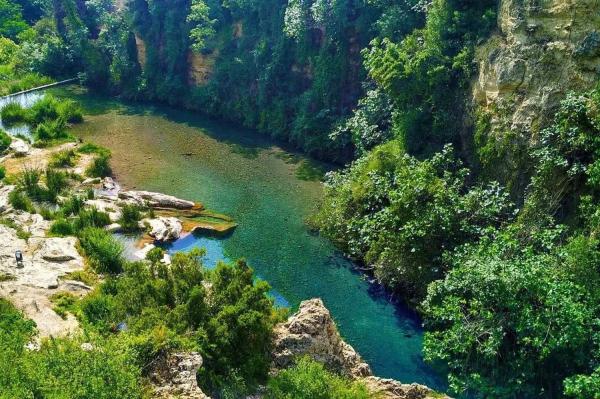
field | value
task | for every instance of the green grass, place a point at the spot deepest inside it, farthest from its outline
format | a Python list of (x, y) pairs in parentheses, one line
[(64, 303), (63, 159)]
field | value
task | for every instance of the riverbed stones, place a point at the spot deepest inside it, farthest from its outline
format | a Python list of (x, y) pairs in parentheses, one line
[(155, 200), (163, 228), (312, 332)]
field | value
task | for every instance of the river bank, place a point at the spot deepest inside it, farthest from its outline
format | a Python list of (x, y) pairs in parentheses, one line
[(257, 183)]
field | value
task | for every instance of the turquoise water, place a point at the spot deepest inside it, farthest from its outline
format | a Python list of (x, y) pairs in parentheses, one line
[(255, 181)]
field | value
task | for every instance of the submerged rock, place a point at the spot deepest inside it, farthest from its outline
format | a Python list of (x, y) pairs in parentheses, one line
[(155, 200), (164, 228)]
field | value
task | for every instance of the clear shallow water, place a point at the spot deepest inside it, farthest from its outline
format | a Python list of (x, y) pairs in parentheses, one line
[(250, 178), (25, 100)]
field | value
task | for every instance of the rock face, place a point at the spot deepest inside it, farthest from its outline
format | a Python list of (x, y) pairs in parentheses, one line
[(544, 49), (164, 228), (155, 200), (59, 249), (312, 332), (174, 376)]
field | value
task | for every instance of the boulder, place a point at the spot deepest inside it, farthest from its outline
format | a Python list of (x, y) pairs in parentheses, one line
[(19, 147), (174, 376), (312, 331), (155, 200), (164, 228), (59, 249)]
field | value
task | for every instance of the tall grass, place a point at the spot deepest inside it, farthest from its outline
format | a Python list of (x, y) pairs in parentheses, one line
[(102, 249)]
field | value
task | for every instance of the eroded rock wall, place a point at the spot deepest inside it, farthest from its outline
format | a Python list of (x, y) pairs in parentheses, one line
[(543, 50)]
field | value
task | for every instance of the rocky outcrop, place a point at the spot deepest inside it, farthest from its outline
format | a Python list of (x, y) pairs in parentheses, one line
[(163, 228), (174, 376), (312, 332), (155, 200), (543, 50)]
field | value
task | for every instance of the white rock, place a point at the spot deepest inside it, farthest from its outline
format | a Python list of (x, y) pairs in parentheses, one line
[(19, 147), (164, 228), (155, 199), (59, 249), (113, 228), (107, 206), (91, 180), (87, 347)]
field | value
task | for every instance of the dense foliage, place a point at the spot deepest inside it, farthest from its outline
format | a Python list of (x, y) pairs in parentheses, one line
[(400, 215)]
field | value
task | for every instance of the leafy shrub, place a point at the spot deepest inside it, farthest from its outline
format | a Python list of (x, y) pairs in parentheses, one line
[(5, 141), (308, 379), (2, 172), (29, 181), (13, 113), (509, 312), (63, 159), (102, 249), (130, 216), (399, 214), (99, 167)]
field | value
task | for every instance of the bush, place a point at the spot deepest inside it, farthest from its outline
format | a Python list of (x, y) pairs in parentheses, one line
[(51, 130), (61, 228), (2, 172), (72, 206), (309, 380), (399, 215), (63, 159), (91, 217), (130, 216), (99, 167), (102, 249), (5, 141), (20, 201), (56, 182), (29, 181), (13, 113)]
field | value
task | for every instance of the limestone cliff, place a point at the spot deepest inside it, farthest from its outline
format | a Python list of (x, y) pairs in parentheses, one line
[(542, 50), (312, 332)]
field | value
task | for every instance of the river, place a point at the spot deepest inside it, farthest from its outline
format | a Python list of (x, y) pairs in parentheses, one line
[(255, 181)]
